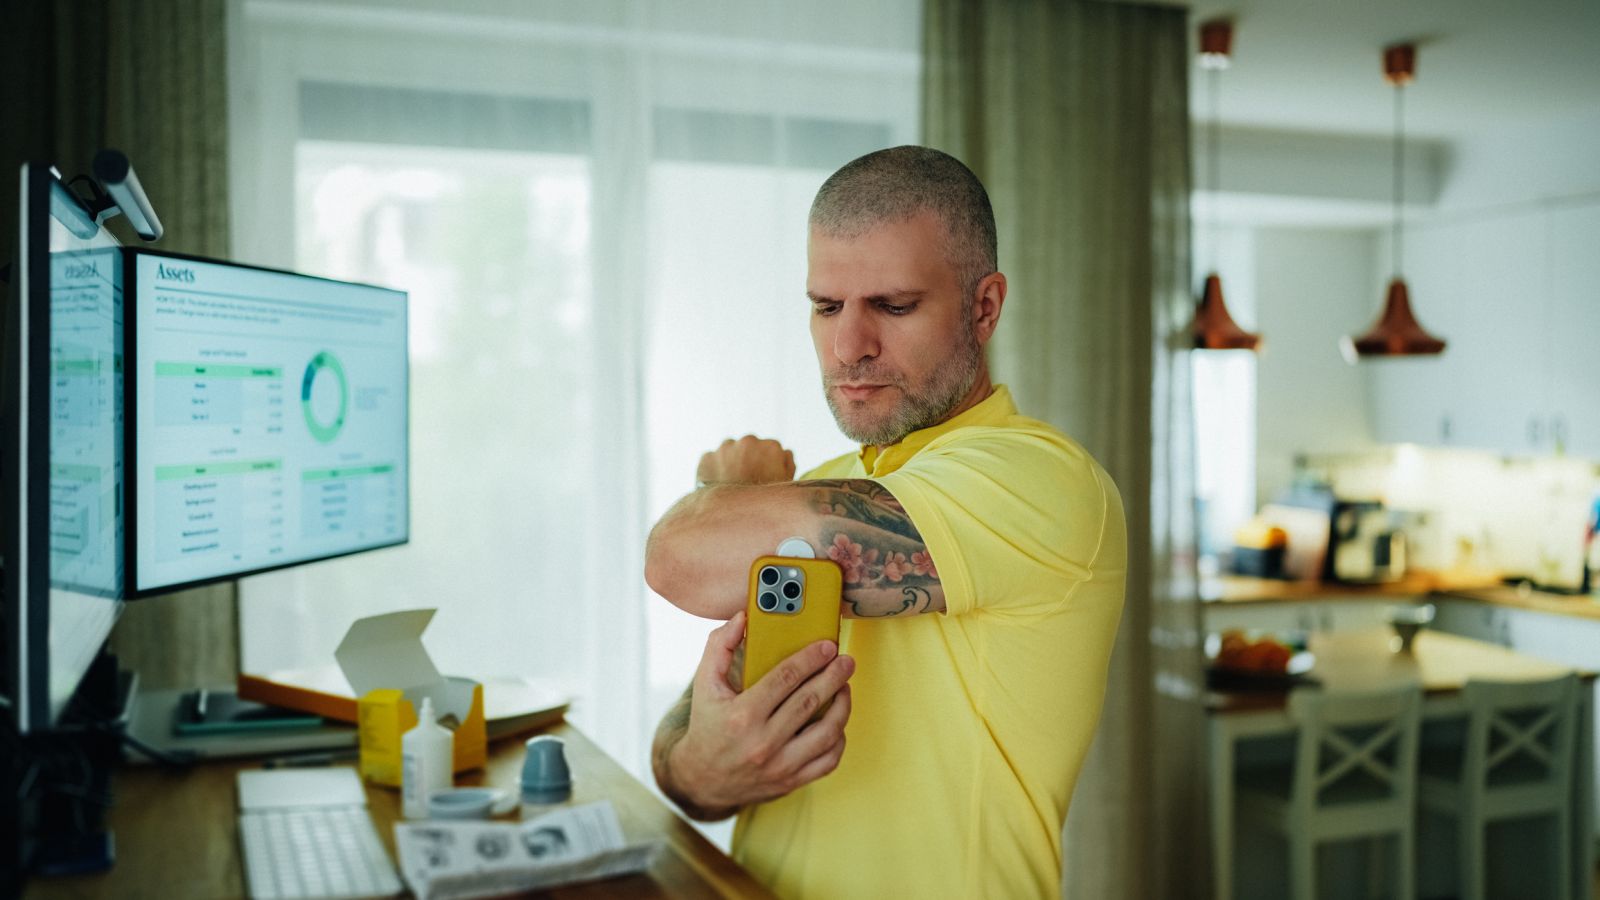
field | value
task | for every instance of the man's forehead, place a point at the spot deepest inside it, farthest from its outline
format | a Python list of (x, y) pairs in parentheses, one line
[(896, 256)]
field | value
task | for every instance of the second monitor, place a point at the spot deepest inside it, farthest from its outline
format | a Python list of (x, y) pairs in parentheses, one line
[(270, 419)]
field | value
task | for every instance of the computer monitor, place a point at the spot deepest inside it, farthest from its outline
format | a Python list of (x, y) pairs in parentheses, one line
[(62, 539), (269, 419)]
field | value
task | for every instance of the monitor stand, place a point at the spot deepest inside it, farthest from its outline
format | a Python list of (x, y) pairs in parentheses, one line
[(61, 818)]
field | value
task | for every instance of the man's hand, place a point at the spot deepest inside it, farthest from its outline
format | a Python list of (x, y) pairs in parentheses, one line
[(723, 750), (749, 460)]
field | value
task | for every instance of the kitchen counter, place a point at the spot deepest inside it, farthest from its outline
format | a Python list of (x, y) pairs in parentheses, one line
[(1243, 589), (1583, 605), (1238, 590)]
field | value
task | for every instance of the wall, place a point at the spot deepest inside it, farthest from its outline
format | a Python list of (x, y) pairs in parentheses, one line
[(1302, 289), (1320, 260), (1541, 161), (1477, 510), (1312, 287), (1504, 270)]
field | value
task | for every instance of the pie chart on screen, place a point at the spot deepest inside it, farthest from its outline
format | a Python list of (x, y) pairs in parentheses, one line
[(324, 396)]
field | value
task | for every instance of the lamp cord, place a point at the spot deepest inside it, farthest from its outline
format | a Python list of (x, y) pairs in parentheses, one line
[(1399, 172), (1214, 163)]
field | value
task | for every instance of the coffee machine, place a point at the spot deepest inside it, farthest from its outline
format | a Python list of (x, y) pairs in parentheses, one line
[(1365, 545)]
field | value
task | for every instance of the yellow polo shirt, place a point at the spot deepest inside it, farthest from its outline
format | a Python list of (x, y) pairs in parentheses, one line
[(968, 728)]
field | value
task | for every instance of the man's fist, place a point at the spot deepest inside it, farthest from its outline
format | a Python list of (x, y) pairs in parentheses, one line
[(749, 460)]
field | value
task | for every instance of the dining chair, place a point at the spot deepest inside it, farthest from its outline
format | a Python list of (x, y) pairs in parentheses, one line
[(1353, 776), (1516, 762)]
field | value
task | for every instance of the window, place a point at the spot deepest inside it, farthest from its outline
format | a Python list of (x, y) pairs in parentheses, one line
[(1225, 410), (601, 225)]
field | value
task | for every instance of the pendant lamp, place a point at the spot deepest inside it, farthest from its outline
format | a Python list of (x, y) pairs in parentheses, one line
[(1397, 332), (1213, 328)]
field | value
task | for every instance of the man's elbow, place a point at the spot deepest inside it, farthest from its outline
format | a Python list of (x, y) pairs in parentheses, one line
[(660, 571), (672, 576)]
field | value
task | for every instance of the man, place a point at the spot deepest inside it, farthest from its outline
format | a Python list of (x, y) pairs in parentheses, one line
[(983, 555)]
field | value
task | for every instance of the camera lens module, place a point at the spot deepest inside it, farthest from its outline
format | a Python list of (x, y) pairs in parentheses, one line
[(791, 590), (769, 576), (767, 601)]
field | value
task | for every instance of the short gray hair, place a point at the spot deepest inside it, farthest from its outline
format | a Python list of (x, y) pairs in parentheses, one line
[(898, 183)]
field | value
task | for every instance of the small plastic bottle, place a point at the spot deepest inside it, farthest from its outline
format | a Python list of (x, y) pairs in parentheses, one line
[(426, 762)]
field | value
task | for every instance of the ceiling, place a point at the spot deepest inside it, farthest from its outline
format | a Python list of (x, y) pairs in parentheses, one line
[(1482, 65)]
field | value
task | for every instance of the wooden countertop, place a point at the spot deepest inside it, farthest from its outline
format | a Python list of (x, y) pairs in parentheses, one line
[(177, 832), (1367, 660), (1480, 587), (1585, 606), (1233, 589)]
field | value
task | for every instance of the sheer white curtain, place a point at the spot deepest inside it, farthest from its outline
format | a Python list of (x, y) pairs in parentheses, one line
[(598, 210)]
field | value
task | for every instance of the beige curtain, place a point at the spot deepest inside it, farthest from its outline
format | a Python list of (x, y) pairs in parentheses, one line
[(1075, 115), (148, 78)]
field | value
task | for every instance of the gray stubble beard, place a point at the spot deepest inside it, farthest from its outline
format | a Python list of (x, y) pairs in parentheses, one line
[(920, 407)]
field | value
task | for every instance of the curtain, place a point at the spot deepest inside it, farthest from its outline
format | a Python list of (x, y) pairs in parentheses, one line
[(599, 214), (145, 77), (1075, 115)]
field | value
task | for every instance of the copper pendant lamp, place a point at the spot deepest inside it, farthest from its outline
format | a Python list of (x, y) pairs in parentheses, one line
[(1397, 332), (1213, 328)]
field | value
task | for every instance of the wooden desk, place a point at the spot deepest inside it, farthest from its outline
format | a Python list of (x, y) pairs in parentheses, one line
[(1363, 661), (177, 832)]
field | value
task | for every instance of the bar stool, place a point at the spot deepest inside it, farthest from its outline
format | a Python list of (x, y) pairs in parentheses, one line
[(1517, 762), (1353, 776)]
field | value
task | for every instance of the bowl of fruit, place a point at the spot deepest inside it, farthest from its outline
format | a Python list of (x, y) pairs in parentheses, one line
[(1240, 659)]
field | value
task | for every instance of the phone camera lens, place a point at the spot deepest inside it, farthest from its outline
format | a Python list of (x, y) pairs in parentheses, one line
[(769, 576), (767, 601), (791, 590)]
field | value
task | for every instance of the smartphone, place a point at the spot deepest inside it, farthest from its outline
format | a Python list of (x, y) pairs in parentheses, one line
[(793, 603)]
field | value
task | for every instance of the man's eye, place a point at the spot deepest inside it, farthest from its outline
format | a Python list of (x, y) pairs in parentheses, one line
[(894, 310), (825, 309)]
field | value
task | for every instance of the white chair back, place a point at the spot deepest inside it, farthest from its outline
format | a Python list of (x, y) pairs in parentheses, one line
[(1356, 749), (1520, 734)]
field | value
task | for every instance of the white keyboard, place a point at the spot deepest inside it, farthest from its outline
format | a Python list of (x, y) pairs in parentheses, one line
[(297, 849)]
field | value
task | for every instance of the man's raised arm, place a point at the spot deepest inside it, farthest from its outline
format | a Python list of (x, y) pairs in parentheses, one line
[(699, 554)]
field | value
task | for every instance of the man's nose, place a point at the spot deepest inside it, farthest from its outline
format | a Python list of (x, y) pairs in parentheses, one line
[(856, 335)]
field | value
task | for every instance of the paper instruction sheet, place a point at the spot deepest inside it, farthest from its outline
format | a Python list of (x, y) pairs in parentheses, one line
[(454, 860)]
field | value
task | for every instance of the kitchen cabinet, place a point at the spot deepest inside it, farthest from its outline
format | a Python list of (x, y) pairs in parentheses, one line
[(1286, 619), (1468, 618), (1517, 297), (1574, 327)]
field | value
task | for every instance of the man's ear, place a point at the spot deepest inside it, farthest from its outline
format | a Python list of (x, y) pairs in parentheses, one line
[(988, 299)]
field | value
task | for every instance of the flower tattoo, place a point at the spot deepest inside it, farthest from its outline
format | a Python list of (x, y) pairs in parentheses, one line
[(885, 564)]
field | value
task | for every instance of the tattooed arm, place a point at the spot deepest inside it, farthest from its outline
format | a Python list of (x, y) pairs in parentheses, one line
[(700, 552)]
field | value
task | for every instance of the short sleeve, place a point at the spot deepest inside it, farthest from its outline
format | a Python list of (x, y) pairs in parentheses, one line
[(1013, 519)]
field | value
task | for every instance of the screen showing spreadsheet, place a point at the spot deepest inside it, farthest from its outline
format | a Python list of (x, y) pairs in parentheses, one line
[(270, 419)]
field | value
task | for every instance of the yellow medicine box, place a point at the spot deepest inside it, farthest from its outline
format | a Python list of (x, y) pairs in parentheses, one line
[(387, 713), (383, 658)]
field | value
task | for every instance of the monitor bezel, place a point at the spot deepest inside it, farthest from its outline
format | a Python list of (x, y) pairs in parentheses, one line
[(27, 479), (131, 422), (27, 558)]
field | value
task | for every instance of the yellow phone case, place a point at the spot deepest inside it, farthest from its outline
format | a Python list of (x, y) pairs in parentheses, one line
[(773, 635)]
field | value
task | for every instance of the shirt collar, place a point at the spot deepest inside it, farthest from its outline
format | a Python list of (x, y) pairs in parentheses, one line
[(992, 410)]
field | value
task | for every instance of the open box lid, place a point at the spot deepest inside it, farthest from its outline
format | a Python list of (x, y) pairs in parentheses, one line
[(385, 651)]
